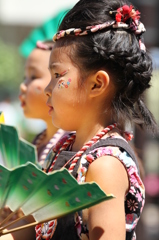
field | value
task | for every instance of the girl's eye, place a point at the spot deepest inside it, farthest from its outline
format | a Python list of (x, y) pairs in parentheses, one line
[(33, 77), (57, 75)]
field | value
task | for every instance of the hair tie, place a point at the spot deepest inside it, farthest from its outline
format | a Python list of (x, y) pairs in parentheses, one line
[(83, 31), (125, 17), (43, 45)]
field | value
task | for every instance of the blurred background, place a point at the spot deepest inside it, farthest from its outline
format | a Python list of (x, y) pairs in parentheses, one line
[(22, 23)]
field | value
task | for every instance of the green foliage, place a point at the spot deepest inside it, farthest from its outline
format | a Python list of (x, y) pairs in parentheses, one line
[(11, 71)]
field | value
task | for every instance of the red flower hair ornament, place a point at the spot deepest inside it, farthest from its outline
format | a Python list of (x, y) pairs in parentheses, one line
[(127, 17), (124, 13)]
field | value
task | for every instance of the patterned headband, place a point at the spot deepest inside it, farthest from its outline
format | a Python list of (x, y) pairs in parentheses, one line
[(125, 17), (43, 45)]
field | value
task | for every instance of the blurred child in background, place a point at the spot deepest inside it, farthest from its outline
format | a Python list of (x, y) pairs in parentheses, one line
[(33, 100), (33, 103)]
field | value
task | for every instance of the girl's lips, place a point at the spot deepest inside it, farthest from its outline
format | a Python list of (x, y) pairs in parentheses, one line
[(50, 110), (23, 103)]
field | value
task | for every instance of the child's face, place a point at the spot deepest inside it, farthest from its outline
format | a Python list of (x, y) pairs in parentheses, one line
[(37, 77), (66, 100)]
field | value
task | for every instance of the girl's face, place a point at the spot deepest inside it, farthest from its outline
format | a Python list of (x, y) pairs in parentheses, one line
[(66, 100), (37, 77)]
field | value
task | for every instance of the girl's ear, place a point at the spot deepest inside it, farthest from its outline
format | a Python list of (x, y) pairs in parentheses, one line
[(99, 83)]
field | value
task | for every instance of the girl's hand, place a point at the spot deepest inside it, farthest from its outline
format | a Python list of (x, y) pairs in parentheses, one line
[(5, 212), (25, 234), (7, 237)]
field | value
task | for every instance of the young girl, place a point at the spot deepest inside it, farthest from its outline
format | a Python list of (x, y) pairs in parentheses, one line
[(33, 99), (33, 103), (99, 71)]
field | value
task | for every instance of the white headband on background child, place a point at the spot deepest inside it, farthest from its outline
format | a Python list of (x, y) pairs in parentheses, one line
[(126, 17)]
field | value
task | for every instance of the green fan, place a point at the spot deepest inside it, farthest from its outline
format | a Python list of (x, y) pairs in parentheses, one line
[(15, 151), (44, 196)]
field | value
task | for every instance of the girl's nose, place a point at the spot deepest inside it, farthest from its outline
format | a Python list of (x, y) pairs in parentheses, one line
[(47, 90), (23, 87)]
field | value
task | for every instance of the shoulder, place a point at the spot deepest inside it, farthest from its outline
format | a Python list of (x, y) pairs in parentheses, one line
[(116, 147), (38, 137), (110, 174), (110, 162)]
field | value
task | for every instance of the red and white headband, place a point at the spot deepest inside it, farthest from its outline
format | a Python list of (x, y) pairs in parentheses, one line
[(121, 16)]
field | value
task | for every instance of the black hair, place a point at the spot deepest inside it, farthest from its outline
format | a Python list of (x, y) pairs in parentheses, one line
[(115, 50)]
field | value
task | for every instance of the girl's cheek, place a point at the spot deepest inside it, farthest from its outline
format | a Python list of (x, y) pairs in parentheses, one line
[(38, 90)]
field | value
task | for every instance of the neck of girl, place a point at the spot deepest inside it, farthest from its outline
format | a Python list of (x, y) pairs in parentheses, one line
[(50, 131), (86, 133)]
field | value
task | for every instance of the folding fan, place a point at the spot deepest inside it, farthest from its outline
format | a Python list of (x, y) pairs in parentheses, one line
[(26, 187), (15, 151)]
